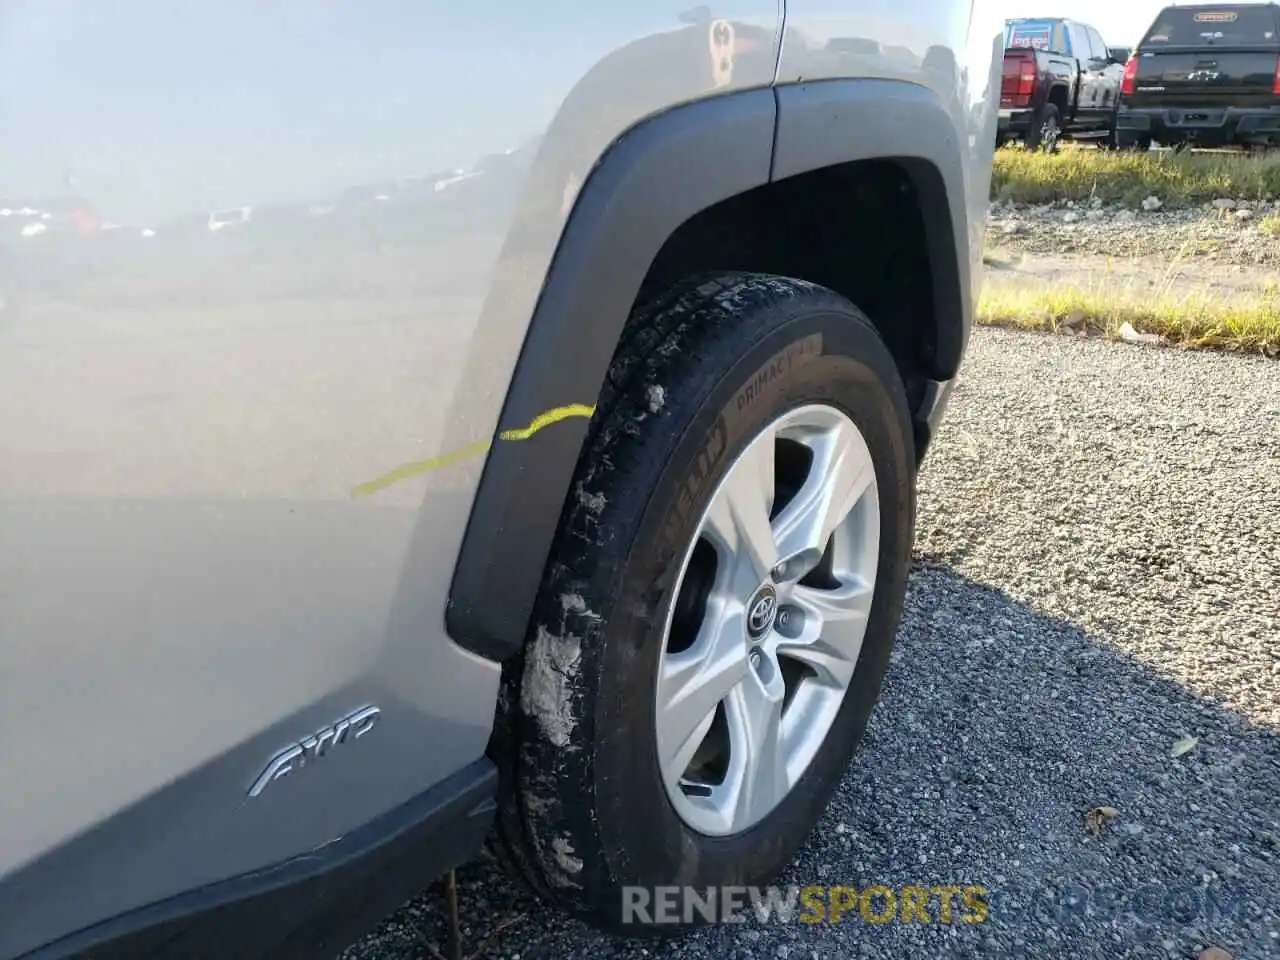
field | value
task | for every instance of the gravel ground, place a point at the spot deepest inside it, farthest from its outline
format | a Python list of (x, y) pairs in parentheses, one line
[(1132, 277), (1097, 578), (1234, 236)]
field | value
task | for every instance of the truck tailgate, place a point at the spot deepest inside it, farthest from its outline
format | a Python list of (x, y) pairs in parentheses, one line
[(1210, 57), (1229, 77)]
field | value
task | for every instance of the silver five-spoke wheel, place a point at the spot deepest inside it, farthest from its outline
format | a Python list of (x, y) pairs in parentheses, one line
[(770, 611)]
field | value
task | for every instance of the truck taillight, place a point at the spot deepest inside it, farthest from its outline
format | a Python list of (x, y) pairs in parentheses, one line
[(1130, 76), (1027, 79), (1275, 88), (1018, 83)]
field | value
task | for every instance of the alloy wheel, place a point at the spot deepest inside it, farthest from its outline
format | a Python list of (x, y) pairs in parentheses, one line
[(1050, 134), (770, 611)]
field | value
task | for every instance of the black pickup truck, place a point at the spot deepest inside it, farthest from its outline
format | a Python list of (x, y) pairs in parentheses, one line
[(1205, 75), (1060, 78)]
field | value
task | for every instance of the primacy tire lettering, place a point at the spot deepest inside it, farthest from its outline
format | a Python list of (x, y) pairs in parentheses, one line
[(796, 353)]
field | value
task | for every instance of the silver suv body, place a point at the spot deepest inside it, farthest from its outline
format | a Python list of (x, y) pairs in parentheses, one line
[(307, 310)]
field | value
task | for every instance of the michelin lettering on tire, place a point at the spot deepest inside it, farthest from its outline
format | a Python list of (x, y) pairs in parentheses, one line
[(689, 497)]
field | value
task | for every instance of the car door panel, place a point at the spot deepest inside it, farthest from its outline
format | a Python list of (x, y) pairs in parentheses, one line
[(265, 260)]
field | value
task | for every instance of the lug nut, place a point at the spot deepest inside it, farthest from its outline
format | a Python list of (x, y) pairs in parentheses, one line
[(790, 622)]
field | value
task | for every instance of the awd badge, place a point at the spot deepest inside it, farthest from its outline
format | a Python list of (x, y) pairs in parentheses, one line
[(298, 755)]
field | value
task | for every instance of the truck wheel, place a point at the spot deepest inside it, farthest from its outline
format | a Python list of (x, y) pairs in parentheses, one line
[(719, 605), (1046, 130), (1127, 140)]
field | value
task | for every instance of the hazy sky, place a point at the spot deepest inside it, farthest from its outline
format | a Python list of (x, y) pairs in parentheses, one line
[(1121, 22)]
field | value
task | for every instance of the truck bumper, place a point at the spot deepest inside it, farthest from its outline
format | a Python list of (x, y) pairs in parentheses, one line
[(1013, 123), (1205, 125)]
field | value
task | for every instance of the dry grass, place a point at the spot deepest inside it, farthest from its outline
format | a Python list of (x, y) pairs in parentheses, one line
[(1247, 324), (1178, 179), (1194, 318)]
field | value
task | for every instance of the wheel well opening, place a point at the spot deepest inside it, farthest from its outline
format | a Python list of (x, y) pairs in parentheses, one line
[(856, 228), (1058, 97)]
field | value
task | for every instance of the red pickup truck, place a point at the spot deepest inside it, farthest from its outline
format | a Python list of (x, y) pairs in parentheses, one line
[(1060, 79)]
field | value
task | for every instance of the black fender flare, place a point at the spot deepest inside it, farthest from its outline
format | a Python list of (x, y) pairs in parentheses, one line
[(651, 180)]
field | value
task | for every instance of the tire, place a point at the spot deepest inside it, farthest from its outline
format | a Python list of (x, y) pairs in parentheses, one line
[(584, 809), (1108, 142), (1046, 130), (1127, 140)]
